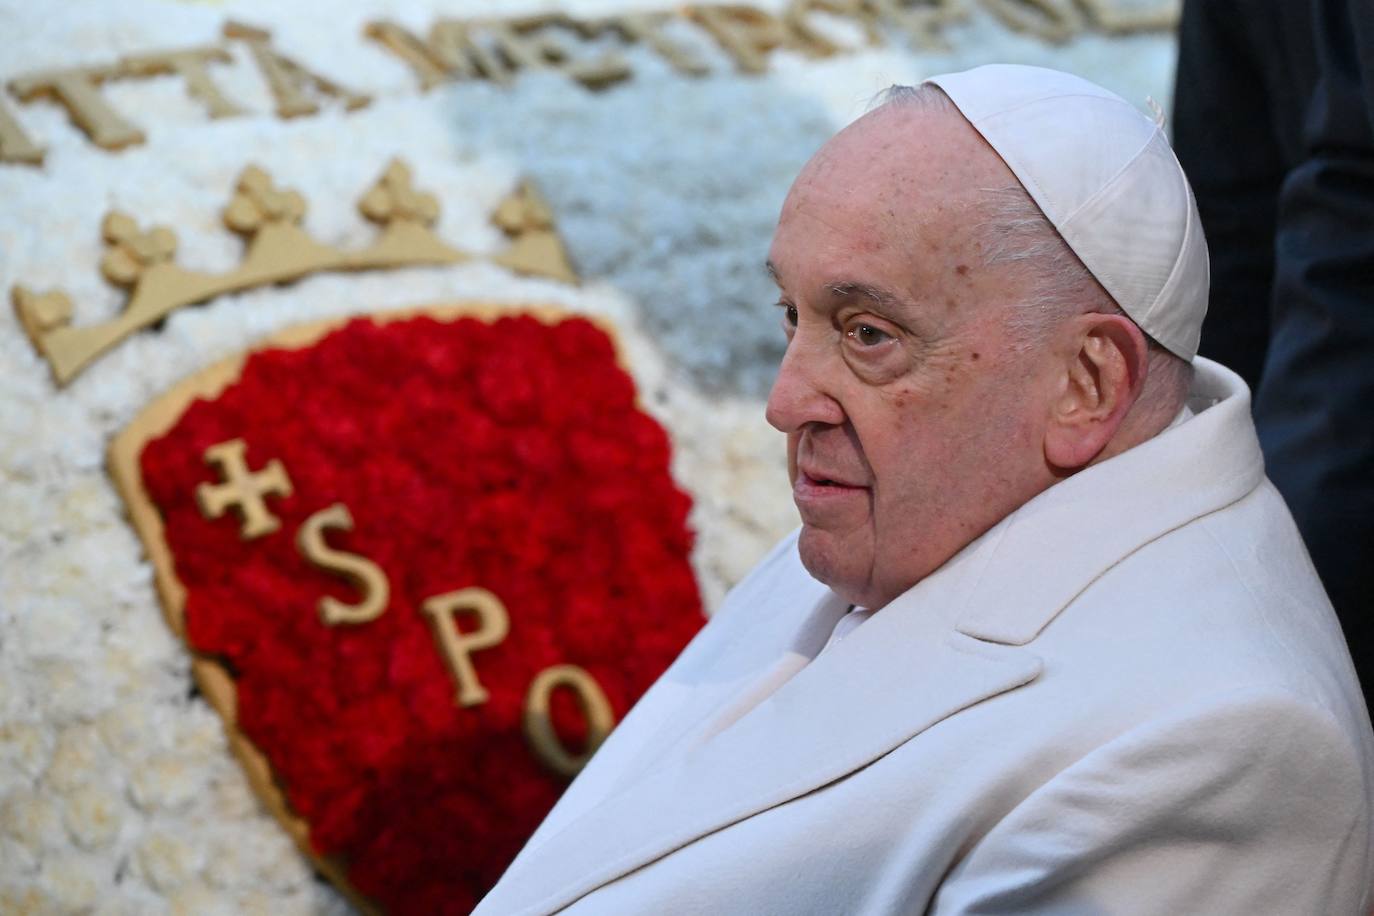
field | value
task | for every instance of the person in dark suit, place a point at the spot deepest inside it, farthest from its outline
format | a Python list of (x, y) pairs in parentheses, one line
[(1274, 125)]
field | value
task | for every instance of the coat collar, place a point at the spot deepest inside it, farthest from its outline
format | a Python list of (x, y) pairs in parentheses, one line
[(736, 762), (1075, 531), (954, 640)]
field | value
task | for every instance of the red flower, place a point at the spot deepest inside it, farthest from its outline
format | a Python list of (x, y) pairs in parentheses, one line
[(508, 455)]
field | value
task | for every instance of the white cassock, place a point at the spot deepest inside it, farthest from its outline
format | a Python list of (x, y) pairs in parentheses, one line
[(1130, 696)]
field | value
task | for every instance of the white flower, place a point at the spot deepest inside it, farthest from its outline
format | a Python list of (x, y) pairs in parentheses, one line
[(144, 638), (94, 815), (56, 626), (16, 703), (313, 900), (198, 900), (28, 516), (78, 754), (24, 748), (226, 863), (125, 906), (165, 782), (275, 862), (117, 670), (24, 899), (270, 863), (18, 859), (71, 689), (75, 880), (33, 821), (130, 897), (89, 502), (130, 732), (200, 735), (230, 798), (167, 861)]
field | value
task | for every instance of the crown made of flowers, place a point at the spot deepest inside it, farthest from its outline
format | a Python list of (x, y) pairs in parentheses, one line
[(276, 250)]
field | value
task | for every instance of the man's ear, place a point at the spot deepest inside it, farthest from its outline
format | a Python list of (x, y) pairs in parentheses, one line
[(1103, 373)]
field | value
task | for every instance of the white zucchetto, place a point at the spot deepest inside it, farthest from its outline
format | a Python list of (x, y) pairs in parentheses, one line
[(1106, 178)]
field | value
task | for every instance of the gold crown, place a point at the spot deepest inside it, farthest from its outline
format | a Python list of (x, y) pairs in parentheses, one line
[(276, 250)]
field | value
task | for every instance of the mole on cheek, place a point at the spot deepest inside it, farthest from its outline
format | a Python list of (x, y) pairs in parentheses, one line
[(976, 357), (962, 270)]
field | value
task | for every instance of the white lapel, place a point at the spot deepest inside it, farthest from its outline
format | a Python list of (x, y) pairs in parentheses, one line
[(1059, 543), (804, 735), (720, 706), (725, 671)]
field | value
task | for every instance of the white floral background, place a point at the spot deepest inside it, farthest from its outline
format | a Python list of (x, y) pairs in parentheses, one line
[(117, 794)]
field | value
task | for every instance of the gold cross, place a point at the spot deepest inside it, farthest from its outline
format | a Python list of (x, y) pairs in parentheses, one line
[(242, 490)]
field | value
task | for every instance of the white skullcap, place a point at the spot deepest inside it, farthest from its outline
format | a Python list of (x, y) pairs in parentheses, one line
[(1106, 178)]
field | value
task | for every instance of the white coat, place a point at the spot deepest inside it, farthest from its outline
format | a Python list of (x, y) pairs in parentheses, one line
[(1129, 696)]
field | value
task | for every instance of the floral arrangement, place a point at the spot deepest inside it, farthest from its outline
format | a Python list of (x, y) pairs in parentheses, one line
[(508, 455), (118, 793)]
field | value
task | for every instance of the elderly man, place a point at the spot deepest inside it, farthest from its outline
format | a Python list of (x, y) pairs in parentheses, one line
[(1047, 640)]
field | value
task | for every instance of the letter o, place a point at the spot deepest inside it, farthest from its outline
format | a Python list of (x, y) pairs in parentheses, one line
[(539, 731)]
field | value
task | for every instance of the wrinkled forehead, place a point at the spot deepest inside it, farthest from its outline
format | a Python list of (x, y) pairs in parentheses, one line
[(907, 166), (901, 177)]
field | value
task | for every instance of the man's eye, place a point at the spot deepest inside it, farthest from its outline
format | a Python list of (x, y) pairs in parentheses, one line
[(867, 335), (789, 315)]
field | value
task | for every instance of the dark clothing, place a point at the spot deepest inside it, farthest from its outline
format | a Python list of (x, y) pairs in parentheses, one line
[(1274, 125)]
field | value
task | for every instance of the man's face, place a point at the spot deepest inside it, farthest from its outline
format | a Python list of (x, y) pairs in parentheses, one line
[(909, 407)]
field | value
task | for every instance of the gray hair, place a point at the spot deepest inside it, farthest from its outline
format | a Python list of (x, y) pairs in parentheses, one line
[(1017, 235), (925, 97)]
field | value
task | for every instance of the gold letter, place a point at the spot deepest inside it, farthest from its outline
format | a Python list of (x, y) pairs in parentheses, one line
[(1050, 20), (287, 79), (366, 575), (15, 146), (189, 64), (408, 48), (493, 623), (596, 709), (495, 48), (528, 44), (453, 45), (1136, 17), (78, 90), (747, 34), (647, 28), (798, 12), (923, 19)]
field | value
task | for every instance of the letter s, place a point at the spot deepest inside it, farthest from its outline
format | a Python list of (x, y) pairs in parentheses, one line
[(366, 575)]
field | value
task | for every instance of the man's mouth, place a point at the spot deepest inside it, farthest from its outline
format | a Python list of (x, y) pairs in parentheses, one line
[(823, 481), (817, 484)]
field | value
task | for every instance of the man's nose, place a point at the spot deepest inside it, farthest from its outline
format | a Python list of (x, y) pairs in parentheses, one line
[(802, 391)]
